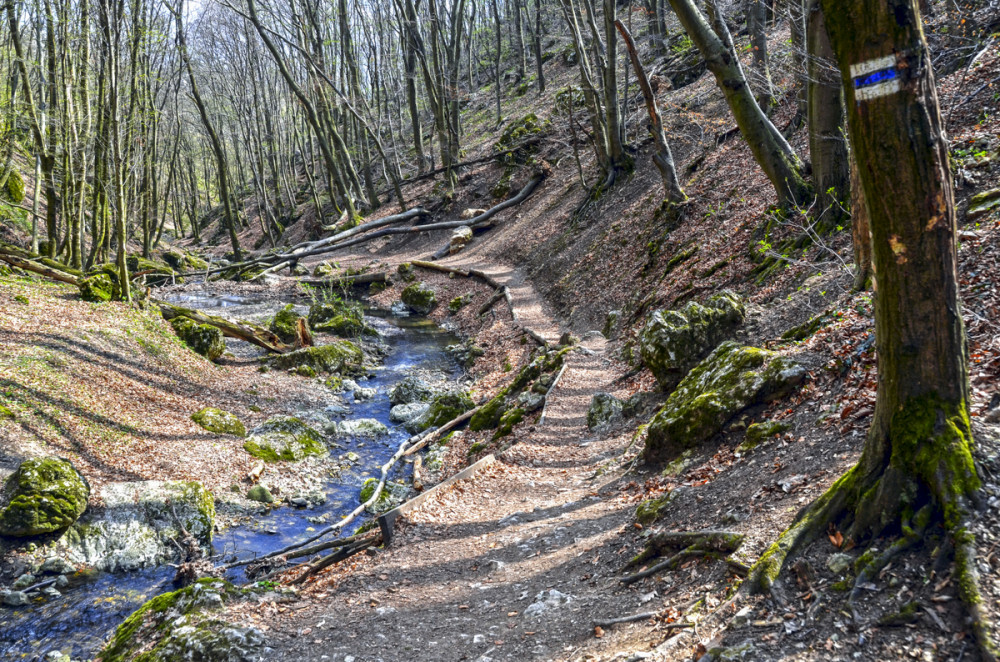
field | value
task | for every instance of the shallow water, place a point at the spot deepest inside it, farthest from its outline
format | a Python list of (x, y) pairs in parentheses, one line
[(80, 621)]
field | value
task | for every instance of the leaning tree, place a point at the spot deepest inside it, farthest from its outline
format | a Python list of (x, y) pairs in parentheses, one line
[(916, 469)]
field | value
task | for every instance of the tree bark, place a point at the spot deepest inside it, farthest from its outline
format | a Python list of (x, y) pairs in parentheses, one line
[(769, 147)]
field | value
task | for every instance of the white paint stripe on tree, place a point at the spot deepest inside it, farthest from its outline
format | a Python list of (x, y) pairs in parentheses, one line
[(869, 66), (879, 90)]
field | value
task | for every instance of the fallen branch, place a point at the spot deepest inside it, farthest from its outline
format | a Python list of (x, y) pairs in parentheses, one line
[(43, 270), (436, 434), (642, 617), (251, 333), (483, 219), (336, 557), (346, 281)]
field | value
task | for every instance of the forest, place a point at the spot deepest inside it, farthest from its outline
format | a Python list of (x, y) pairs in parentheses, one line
[(499, 329)]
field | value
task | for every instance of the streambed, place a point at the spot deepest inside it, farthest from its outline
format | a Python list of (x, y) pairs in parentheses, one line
[(94, 603)]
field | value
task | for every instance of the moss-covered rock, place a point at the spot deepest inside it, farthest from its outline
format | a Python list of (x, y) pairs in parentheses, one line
[(323, 270), (184, 261), (489, 415), (604, 408), (392, 495), (155, 272), (285, 324), (444, 407), (41, 496), (673, 341), (346, 321), (459, 302), (410, 389), (340, 356), (137, 522), (983, 203), (519, 141), (182, 627), (651, 510), (465, 353), (97, 289), (508, 420), (759, 432), (220, 421), (260, 494), (14, 190), (203, 339), (284, 438), (405, 272), (732, 378), (420, 298)]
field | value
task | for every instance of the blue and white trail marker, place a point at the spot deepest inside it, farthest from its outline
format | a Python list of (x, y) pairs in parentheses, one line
[(875, 78)]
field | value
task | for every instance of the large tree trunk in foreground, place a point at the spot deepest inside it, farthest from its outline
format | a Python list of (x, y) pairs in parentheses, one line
[(916, 468), (769, 147)]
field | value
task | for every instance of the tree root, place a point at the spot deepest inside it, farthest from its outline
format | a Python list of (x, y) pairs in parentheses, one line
[(713, 544)]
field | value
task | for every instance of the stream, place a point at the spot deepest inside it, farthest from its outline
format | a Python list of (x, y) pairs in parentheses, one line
[(93, 604)]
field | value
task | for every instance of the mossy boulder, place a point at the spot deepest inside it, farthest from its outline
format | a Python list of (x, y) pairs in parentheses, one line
[(604, 409), (519, 141), (465, 353), (136, 523), (508, 420), (182, 626), (444, 407), (156, 273), (340, 356), (757, 433), (220, 421), (14, 190), (651, 510), (392, 495), (323, 270), (732, 378), (673, 341), (547, 363), (983, 203), (420, 298), (410, 389), (345, 321), (405, 272), (41, 496), (260, 494), (203, 339), (98, 288), (285, 324), (184, 261), (284, 438)]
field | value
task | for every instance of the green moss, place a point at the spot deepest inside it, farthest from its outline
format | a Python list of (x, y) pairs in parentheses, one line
[(651, 510), (681, 256), (488, 416), (203, 339), (759, 432), (340, 356), (908, 613), (419, 297), (507, 422), (459, 302), (392, 495), (219, 421), (41, 496), (285, 324), (731, 379), (14, 191), (520, 139), (284, 438), (305, 371), (20, 298), (97, 289), (808, 328), (673, 341), (444, 407)]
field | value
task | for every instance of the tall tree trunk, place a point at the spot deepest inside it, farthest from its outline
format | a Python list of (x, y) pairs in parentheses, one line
[(770, 149), (917, 465), (220, 155), (827, 142), (756, 12)]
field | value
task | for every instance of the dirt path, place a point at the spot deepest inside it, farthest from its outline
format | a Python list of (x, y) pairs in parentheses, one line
[(515, 563)]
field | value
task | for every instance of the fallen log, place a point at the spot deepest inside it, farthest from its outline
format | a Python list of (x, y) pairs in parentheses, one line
[(251, 333), (346, 281), (483, 219), (338, 556), (40, 269)]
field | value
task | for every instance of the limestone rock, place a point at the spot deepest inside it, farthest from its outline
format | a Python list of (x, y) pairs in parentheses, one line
[(41, 496), (339, 356), (604, 409), (219, 421), (362, 428), (732, 378), (134, 526), (284, 438), (420, 298), (407, 412), (443, 408), (673, 341), (203, 339), (983, 203), (410, 389), (460, 238), (285, 324)]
